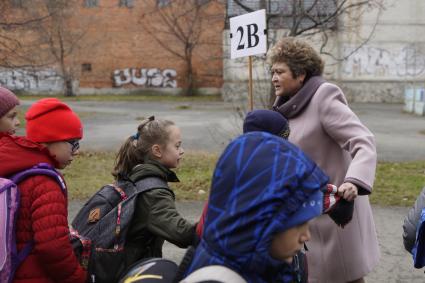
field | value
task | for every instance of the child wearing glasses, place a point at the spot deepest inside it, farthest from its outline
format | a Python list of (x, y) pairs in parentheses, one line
[(9, 121), (53, 131)]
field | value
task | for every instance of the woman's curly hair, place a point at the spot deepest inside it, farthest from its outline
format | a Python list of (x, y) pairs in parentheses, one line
[(300, 57)]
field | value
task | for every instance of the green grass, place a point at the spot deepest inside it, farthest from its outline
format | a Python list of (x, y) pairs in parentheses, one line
[(21, 117), (91, 170), (88, 173), (397, 184)]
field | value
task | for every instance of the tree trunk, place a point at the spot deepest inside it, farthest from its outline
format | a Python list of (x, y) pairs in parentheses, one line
[(69, 90), (189, 81)]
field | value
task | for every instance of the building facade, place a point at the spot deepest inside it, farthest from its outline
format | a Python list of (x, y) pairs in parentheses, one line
[(119, 46), (374, 53)]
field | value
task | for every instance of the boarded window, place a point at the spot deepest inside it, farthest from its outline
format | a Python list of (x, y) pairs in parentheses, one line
[(163, 3), (127, 3), (17, 3), (202, 2), (91, 3), (86, 67), (281, 13)]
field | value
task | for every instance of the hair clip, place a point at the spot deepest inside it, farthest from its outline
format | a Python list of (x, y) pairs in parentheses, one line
[(151, 118), (135, 136), (285, 133)]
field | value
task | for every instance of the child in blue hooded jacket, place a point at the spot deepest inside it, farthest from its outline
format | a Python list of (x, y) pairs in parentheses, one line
[(264, 191)]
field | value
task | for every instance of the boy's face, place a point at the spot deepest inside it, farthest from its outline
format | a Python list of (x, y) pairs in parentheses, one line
[(170, 154), (287, 243), (9, 123), (64, 151)]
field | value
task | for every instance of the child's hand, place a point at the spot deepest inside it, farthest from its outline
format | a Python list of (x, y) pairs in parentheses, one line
[(348, 191)]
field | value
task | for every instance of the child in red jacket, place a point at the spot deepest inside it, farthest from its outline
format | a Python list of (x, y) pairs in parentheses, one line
[(53, 133), (9, 121)]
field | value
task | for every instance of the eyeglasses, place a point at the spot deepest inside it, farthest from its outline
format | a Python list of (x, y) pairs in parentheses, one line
[(75, 145)]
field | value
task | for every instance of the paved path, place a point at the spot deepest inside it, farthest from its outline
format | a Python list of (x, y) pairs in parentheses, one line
[(395, 265), (209, 126)]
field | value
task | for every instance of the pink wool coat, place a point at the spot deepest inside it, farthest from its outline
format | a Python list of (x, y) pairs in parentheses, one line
[(333, 136)]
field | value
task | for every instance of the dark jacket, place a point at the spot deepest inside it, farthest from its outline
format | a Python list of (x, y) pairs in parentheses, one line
[(42, 216), (156, 218), (411, 221)]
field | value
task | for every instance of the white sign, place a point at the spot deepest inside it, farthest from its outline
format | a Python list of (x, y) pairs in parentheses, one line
[(248, 34)]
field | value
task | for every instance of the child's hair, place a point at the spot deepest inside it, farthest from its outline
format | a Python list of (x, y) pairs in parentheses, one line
[(137, 148)]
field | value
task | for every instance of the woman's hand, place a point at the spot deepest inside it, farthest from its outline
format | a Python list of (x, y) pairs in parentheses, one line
[(348, 191)]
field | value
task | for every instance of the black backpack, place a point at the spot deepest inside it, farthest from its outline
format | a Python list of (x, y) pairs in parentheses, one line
[(152, 270), (99, 230)]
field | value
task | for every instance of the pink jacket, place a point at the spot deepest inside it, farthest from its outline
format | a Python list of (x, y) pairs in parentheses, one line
[(333, 136)]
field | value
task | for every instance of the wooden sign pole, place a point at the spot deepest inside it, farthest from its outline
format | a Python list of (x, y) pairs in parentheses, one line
[(251, 102)]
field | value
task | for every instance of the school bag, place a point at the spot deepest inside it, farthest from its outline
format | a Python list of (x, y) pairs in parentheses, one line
[(418, 250), (214, 273), (99, 230), (10, 258), (153, 270)]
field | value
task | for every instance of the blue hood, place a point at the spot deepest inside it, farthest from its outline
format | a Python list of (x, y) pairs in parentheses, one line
[(259, 184)]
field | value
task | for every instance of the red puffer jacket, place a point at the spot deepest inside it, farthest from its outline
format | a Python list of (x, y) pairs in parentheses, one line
[(42, 217)]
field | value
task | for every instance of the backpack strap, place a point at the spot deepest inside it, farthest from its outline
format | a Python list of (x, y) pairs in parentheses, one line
[(149, 183), (41, 169), (143, 185)]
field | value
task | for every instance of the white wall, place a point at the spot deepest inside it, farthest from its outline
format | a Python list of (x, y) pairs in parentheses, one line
[(394, 57)]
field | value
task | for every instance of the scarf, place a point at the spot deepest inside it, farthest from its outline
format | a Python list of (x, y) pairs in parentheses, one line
[(290, 107)]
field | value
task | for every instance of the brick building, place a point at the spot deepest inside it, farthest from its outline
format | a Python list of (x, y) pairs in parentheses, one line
[(121, 45)]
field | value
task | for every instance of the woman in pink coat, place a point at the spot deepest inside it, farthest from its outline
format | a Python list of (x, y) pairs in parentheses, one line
[(326, 129)]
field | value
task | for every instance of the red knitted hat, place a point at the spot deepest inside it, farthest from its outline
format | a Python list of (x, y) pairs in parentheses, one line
[(50, 120), (7, 101)]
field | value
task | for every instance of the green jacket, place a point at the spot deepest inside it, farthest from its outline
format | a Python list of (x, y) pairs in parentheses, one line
[(155, 218)]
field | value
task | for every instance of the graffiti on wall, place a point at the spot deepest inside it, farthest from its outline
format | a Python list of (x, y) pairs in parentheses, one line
[(21, 79), (145, 77), (407, 61)]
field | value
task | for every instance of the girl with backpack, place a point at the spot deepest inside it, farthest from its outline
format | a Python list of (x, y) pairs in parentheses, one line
[(152, 151), (53, 132), (9, 121)]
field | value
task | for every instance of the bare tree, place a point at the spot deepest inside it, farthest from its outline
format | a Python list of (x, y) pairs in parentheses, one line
[(18, 19), (62, 40), (179, 26), (322, 18), (310, 17), (42, 33)]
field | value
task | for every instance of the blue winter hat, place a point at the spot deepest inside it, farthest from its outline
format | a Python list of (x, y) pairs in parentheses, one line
[(266, 121), (309, 209)]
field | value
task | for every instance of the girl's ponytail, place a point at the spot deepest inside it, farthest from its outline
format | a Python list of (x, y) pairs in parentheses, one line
[(137, 147)]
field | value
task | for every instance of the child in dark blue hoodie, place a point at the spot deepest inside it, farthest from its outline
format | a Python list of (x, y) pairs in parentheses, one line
[(264, 191)]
